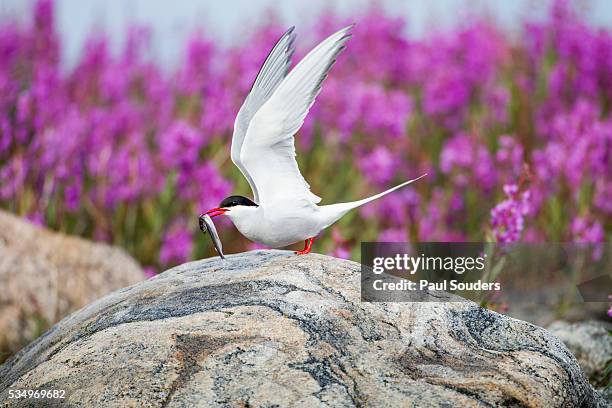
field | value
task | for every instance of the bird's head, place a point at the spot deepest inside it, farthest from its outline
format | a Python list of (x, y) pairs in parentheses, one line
[(234, 207)]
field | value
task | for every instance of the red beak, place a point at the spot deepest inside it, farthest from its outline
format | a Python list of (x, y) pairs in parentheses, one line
[(216, 211)]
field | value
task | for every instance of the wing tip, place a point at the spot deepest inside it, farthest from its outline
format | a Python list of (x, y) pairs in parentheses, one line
[(347, 29), (346, 34)]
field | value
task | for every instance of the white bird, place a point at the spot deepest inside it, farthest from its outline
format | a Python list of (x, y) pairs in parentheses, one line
[(283, 210)]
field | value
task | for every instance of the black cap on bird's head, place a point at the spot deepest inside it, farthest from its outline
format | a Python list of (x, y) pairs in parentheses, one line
[(235, 200), (229, 202)]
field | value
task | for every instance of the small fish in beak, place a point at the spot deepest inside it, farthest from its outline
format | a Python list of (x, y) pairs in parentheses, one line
[(207, 225)]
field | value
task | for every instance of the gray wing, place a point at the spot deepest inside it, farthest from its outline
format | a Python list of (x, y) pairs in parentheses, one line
[(272, 72), (268, 151)]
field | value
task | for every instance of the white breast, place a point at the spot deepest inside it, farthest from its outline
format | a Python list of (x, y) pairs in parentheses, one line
[(277, 227)]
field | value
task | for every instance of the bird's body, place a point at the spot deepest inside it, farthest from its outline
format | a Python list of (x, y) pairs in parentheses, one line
[(278, 226), (283, 210)]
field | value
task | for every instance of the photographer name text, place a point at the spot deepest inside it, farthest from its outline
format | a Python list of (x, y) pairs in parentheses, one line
[(450, 285)]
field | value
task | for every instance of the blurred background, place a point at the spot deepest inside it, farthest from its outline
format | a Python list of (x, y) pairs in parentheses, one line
[(116, 119)]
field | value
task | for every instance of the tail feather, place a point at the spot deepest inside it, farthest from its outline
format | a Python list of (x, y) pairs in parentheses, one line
[(332, 213)]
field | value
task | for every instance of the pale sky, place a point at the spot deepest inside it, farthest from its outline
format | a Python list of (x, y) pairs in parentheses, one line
[(230, 20)]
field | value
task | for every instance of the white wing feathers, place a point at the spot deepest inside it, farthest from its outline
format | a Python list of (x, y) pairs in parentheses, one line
[(268, 151), (272, 72)]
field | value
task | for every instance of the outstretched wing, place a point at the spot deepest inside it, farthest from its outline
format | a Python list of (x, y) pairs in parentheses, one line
[(268, 150), (272, 72)]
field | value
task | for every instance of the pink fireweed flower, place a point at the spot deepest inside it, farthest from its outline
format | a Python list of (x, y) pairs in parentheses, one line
[(211, 193), (180, 145), (72, 195), (341, 252), (508, 217), (464, 158), (36, 218), (5, 135), (393, 235), (341, 245), (149, 271), (176, 245), (510, 154), (498, 100), (12, 177), (399, 208), (603, 195), (379, 165), (195, 72), (586, 230)]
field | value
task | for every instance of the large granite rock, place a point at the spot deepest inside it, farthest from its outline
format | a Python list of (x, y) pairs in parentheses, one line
[(44, 276), (268, 328)]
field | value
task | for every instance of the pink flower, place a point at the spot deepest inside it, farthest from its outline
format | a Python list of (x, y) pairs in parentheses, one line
[(379, 166), (508, 217), (176, 245), (393, 235), (588, 230), (149, 271), (341, 252)]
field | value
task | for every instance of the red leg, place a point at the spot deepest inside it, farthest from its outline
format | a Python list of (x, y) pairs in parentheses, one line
[(307, 247)]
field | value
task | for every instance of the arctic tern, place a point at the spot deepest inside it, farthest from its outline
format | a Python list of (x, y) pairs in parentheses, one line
[(283, 210)]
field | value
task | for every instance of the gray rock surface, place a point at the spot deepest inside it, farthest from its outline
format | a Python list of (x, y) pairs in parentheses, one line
[(268, 328), (44, 276), (590, 343)]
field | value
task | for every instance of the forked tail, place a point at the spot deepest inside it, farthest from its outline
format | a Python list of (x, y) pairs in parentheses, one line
[(332, 213)]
